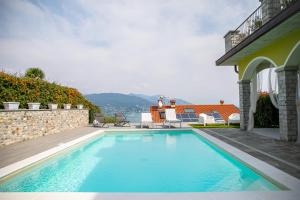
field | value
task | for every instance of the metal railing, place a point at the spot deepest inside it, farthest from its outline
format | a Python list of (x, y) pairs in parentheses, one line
[(259, 17)]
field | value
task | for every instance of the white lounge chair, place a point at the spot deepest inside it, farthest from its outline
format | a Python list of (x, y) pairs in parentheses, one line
[(218, 118), (234, 118), (206, 119), (171, 117), (146, 119)]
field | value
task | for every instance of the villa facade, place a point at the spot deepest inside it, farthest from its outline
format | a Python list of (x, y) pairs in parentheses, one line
[(268, 39)]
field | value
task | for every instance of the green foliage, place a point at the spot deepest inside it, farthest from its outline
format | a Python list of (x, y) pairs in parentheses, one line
[(26, 90), (266, 115), (36, 73), (109, 119), (215, 126)]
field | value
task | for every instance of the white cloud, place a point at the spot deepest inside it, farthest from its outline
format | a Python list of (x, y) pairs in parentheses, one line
[(152, 47)]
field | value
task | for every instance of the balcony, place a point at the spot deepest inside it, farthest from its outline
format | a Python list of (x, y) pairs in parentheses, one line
[(262, 15)]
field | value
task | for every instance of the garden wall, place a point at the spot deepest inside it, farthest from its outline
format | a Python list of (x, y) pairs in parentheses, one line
[(20, 125)]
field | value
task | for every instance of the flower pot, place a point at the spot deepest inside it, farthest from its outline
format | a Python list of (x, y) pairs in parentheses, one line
[(79, 106), (33, 106), (52, 106), (11, 105), (67, 106)]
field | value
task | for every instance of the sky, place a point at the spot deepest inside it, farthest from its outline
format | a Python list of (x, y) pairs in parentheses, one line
[(151, 47)]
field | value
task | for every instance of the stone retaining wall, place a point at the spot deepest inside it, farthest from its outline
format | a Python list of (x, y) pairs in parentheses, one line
[(20, 125)]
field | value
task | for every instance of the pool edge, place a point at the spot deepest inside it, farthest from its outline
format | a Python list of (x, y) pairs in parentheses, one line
[(19, 165), (263, 168)]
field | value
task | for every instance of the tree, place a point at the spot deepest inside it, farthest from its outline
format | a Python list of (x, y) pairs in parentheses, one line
[(36, 73)]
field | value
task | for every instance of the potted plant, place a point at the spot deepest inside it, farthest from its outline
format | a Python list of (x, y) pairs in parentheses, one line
[(11, 105), (67, 106), (79, 106), (33, 106), (52, 106), (173, 103), (257, 23)]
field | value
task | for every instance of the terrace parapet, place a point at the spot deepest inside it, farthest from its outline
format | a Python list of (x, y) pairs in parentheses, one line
[(261, 16)]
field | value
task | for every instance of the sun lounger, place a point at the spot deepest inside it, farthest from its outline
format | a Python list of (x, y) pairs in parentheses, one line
[(234, 118), (121, 120), (146, 119), (99, 120), (218, 118), (211, 118), (171, 117), (206, 119)]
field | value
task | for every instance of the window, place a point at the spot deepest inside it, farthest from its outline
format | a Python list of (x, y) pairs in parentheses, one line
[(162, 115), (189, 110)]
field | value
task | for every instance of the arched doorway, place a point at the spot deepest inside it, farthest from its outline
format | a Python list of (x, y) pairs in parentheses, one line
[(253, 75), (288, 93)]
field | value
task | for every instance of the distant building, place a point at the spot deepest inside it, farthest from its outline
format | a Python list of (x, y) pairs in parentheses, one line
[(190, 113)]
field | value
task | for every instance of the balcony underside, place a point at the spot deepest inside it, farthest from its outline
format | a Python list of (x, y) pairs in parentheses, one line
[(278, 27)]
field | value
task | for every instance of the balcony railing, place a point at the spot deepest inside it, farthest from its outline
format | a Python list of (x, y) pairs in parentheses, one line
[(264, 13)]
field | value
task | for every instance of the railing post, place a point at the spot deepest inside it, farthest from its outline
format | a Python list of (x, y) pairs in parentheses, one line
[(269, 9), (229, 40)]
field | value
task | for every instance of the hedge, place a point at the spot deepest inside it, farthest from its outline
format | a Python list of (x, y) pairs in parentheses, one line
[(24, 90), (266, 116)]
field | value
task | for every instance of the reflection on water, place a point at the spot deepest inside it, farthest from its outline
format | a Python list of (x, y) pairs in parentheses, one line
[(170, 139), (108, 142), (147, 138)]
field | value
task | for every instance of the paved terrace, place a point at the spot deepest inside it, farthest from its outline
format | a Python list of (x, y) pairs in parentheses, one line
[(19, 151), (283, 155)]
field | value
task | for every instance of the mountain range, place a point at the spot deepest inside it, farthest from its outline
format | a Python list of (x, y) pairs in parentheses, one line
[(118, 102), (153, 99)]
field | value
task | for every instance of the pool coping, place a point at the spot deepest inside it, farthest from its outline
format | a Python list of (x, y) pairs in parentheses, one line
[(267, 170), (14, 167)]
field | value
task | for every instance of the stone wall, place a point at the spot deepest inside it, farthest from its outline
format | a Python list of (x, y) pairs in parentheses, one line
[(287, 81), (20, 125), (244, 92)]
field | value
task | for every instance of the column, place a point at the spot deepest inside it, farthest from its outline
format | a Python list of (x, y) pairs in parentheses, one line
[(288, 119), (244, 90)]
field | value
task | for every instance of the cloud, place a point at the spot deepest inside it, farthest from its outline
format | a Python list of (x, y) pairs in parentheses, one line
[(133, 46)]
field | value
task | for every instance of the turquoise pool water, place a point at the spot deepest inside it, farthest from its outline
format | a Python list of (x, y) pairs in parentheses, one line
[(148, 161)]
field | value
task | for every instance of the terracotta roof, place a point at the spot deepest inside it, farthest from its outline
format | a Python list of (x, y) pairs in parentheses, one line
[(224, 109)]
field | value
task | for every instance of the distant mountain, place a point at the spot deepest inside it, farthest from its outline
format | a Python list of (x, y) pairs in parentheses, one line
[(153, 99), (117, 100), (111, 103)]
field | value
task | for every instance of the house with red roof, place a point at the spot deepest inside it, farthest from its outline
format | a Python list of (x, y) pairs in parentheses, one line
[(190, 113)]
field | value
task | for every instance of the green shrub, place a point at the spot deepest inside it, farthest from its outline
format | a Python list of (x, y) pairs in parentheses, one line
[(109, 119), (36, 73), (266, 115), (26, 90)]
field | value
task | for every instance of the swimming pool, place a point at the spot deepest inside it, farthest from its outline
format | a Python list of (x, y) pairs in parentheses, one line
[(140, 161)]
